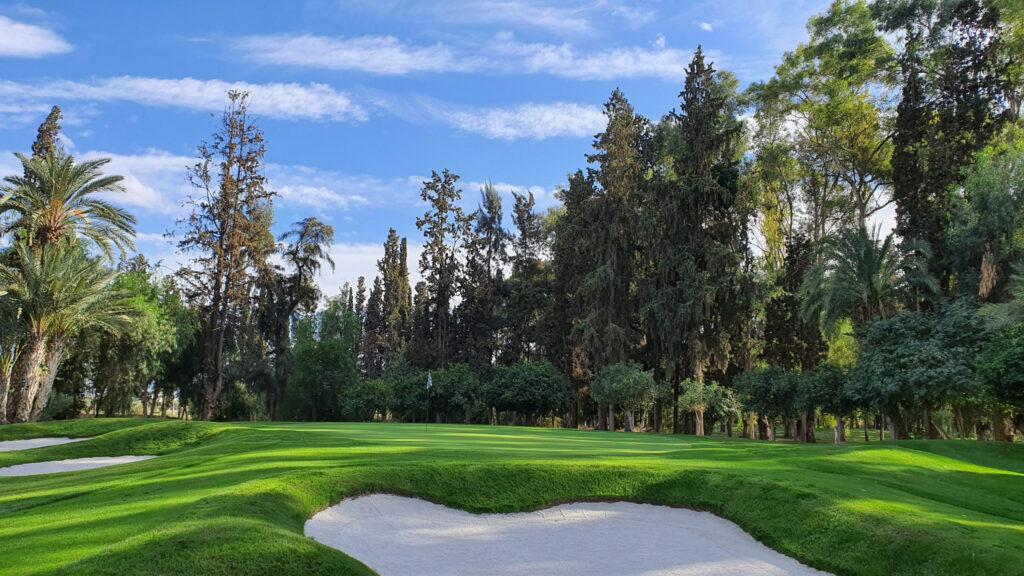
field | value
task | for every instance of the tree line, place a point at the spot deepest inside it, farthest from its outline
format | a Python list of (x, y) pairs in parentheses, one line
[(720, 268)]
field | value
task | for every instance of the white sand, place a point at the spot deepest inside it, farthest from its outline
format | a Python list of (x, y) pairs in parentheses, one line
[(399, 536), (13, 445), (68, 465)]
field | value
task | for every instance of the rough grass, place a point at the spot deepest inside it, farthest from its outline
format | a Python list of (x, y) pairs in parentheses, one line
[(232, 499)]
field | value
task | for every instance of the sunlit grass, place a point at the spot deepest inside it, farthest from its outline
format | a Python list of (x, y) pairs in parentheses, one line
[(232, 498)]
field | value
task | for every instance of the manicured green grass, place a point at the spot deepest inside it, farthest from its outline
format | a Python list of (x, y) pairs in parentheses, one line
[(233, 498)]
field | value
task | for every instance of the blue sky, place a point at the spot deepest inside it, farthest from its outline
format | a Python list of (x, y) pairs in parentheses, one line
[(360, 100)]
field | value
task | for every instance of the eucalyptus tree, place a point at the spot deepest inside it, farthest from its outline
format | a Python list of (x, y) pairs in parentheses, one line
[(227, 234), (827, 108)]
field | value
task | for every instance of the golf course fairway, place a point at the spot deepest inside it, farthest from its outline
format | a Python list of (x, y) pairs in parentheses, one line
[(233, 498)]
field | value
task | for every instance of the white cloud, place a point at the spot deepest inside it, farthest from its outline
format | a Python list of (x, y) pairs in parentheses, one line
[(374, 54), (534, 121), (20, 40), (154, 182), (274, 100), (502, 54), (705, 27), (352, 260), (528, 15), (329, 191), (566, 61)]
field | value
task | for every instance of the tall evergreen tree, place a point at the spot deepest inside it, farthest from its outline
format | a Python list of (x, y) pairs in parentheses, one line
[(445, 228), (572, 259), (605, 329), (528, 285), (479, 318), (395, 295), (697, 233)]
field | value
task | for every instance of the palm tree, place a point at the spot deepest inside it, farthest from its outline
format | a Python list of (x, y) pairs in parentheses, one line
[(860, 277), (57, 199), (57, 290)]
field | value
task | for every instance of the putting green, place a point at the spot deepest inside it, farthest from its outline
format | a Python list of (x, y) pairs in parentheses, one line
[(233, 498)]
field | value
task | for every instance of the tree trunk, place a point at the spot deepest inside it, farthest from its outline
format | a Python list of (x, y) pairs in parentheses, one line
[(893, 429), (629, 420), (26, 379), (762, 428), (5, 383), (611, 417), (930, 431), (771, 429), (601, 424), (958, 417), (1001, 431), (728, 426), (842, 427), (675, 402), (54, 356), (698, 415)]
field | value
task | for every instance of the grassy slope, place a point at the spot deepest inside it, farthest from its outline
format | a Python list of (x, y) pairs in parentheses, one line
[(232, 499)]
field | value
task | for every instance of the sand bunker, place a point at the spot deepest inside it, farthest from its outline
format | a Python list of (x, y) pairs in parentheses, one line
[(13, 445), (68, 465), (399, 536)]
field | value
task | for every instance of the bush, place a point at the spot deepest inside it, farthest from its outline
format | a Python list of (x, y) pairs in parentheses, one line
[(528, 388)]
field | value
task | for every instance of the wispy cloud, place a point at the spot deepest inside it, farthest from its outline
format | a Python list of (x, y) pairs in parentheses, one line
[(330, 191), (374, 54), (274, 100), (21, 40), (566, 61), (529, 15), (502, 54), (706, 27), (533, 121)]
